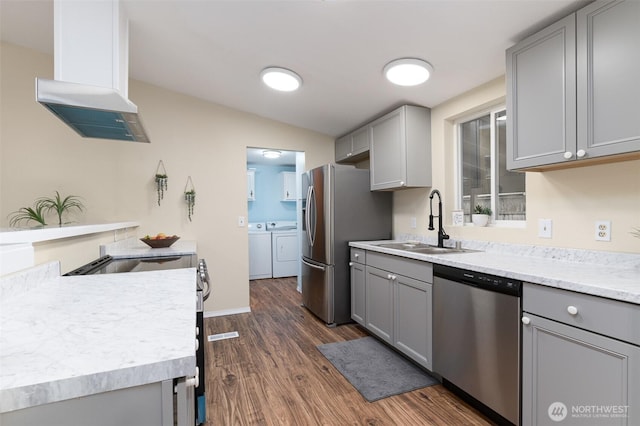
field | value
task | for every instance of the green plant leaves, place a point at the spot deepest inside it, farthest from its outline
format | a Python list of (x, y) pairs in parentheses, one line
[(43, 205)]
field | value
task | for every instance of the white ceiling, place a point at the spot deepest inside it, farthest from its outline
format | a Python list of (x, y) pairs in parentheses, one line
[(254, 157), (215, 50)]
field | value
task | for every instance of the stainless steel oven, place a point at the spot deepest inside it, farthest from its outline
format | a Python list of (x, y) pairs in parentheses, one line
[(195, 410)]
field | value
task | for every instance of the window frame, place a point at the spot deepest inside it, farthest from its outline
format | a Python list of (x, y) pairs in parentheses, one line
[(492, 111)]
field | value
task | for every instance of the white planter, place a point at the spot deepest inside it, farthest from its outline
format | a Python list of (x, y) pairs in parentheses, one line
[(480, 219)]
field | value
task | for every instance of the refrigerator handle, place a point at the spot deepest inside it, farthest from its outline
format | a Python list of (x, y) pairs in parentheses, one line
[(312, 265), (308, 213), (311, 232)]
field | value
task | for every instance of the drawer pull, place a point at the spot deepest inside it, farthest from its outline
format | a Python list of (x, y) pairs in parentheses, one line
[(572, 310), (356, 255), (526, 320), (350, 263)]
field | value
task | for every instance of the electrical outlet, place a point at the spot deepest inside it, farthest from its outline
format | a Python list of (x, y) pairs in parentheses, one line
[(412, 223), (544, 228), (603, 230), (241, 221)]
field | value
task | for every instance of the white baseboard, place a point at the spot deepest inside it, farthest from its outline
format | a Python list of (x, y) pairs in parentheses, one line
[(208, 314)]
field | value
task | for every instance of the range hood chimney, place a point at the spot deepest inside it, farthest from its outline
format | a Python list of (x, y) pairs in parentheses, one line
[(91, 82)]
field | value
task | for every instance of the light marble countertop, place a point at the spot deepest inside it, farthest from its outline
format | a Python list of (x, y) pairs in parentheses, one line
[(68, 337), (133, 247), (618, 280)]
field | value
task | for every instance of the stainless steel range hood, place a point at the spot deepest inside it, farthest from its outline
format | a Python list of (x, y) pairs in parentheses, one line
[(90, 89)]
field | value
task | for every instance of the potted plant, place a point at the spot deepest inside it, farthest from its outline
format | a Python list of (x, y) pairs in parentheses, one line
[(161, 181), (190, 196), (26, 214), (481, 215), (43, 205)]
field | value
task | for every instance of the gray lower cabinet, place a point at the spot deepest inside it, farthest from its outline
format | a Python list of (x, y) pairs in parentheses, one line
[(580, 359), (400, 151), (379, 303), (397, 303), (412, 319), (572, 91), (358, 289), (147, 405)]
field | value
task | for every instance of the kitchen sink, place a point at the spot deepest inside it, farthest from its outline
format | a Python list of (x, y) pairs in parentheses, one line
[(423, 248), (404, 246)]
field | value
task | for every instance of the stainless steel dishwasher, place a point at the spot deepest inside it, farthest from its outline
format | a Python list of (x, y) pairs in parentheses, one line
[(476, 339)]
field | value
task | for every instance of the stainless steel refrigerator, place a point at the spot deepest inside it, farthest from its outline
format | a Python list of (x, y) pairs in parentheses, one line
[(337, 207)]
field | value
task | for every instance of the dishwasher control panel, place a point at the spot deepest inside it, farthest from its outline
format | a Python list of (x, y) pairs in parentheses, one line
[(479, 279)]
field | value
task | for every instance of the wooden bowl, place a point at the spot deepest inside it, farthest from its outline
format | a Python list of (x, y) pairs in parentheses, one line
[(160, 243)]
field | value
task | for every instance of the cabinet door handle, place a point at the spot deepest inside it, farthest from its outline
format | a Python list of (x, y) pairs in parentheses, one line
[(572, 310), (402, 183), (350, 263), (356, 255), (581, 153), (567, 155), (526, 320)]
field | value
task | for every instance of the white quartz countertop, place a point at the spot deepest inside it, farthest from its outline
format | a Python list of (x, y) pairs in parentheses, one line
[(69, 337), (598, 279)]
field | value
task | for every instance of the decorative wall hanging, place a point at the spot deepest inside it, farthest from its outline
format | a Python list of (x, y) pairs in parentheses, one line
[(161, 181), (190, 196)]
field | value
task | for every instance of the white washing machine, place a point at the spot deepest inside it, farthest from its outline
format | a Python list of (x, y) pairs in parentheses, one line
[(259, 251), (284, 248)]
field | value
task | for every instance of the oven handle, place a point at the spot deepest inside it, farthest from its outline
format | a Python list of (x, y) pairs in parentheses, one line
[(204, 278)]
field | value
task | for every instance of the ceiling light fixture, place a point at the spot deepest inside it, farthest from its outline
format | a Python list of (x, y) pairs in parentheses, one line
[(269, 153), (408, 71), (281, 79)]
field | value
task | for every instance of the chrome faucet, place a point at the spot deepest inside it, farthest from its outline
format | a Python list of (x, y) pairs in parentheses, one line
[(441, 234)]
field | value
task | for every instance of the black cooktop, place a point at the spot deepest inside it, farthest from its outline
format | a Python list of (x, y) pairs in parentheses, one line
[(110, 265)]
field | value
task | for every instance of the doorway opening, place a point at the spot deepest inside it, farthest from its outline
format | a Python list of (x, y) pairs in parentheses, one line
[(274, 212)]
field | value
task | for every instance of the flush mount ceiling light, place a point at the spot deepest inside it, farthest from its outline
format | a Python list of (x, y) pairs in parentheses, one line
[(408, 71), (281, 79), (269, 153)]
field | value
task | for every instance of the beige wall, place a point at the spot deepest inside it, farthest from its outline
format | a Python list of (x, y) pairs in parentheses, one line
[(194, 138), (574, 198)]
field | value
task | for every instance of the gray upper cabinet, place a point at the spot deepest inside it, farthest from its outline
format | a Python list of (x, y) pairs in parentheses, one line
[(608, 69), (401, 149), (353, 147), (572, 92), (541, 92)]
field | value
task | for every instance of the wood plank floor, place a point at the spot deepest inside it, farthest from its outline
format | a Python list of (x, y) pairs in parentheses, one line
[(274, 375)]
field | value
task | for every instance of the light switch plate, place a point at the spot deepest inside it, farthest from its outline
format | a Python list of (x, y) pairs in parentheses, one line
[(241, 221), (544, 228)]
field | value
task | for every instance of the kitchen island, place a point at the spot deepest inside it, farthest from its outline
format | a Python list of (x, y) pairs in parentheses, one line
[(65, 338)]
